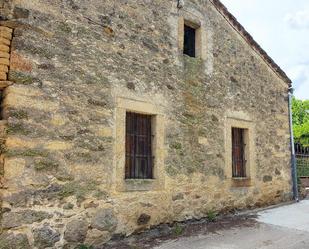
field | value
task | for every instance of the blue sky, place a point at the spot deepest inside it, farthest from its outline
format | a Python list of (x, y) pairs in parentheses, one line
[(281, 27)]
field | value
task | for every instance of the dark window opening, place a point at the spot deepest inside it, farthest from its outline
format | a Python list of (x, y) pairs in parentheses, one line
[(139, 158), (189, 41), (238, 152)]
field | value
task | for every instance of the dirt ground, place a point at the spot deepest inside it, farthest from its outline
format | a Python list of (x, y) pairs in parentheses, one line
[(164, 233), (285, 227)]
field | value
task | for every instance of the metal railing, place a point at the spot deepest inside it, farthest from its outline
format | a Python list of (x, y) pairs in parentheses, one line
[(302, 160)]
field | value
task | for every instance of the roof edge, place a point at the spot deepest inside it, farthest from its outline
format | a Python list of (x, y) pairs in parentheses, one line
[(249, 39)]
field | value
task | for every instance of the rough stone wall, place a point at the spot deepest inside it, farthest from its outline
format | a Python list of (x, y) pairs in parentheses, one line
[(70, 61)]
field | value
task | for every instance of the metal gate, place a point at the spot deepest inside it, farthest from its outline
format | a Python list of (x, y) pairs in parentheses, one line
[(302, 161)]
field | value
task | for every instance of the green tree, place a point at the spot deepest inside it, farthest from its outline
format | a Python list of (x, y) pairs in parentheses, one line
[(300, 110)]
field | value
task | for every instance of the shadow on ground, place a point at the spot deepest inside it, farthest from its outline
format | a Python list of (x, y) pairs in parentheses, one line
[(162, 233)]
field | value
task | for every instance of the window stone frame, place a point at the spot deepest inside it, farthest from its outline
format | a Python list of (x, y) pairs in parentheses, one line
[(124, 105), (200, 39), (243, 121), (191, 14)]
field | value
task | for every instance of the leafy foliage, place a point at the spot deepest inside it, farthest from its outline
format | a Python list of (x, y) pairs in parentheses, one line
[(211, 216), (178, 230), (300, 109)]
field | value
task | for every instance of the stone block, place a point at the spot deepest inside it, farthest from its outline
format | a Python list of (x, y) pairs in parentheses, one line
[(19, 12), (4, 61), (6, 35), (4, 55), (14, 142), (181, 4), (104, 220), (203, 141), (14, 241), (3, 76), (14, 168), (178, 196), (68, 206), (267, 178), (19, 218), (103, 131), (19, 63), (91, 204), (143, 219), (5, 41), (96, 237), (6, 29), (4, 48), (58, 145), (4, 69), (35, 103), (45, 237), (76, 231)]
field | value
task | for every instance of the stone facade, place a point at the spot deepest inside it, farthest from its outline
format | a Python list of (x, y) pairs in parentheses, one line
[(75, 67)]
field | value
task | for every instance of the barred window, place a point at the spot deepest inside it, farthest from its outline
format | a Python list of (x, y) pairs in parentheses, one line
[(139, 159), (238, 152)]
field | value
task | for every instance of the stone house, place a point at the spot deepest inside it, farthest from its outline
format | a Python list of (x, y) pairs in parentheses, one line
[(119, 115)]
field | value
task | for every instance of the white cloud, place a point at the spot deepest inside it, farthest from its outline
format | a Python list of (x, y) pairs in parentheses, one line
[(283, 34), (302, 91), (300, 77), (299, 20)]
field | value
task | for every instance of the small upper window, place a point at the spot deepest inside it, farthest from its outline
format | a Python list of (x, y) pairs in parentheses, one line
[(189, 41), (238, 152), (139, 159)]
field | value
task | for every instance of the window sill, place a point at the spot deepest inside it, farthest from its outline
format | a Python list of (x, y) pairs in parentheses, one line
[(241, 178), (240, 182), (139, 184)]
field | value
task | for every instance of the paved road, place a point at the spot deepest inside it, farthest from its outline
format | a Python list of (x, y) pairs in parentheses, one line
[(284, 227)]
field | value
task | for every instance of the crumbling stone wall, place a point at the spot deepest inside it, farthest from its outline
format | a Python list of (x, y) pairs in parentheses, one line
[(71, 61)]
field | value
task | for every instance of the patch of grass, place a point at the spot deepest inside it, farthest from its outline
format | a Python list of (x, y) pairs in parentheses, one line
[(211, 216), (84, 247), (64, 177), (64, 27), (68, 206), (171, 170), (27, 153), (17, 129), (45, 164), (20, 78), (134, 247), (85, 155), (176, 145), (19, 114), (99, 194), (78, 189), (178, 230), (190, 119), (67, 190)]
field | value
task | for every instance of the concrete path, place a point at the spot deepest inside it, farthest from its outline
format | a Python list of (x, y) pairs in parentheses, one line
[(285, 227), (295, 216)]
